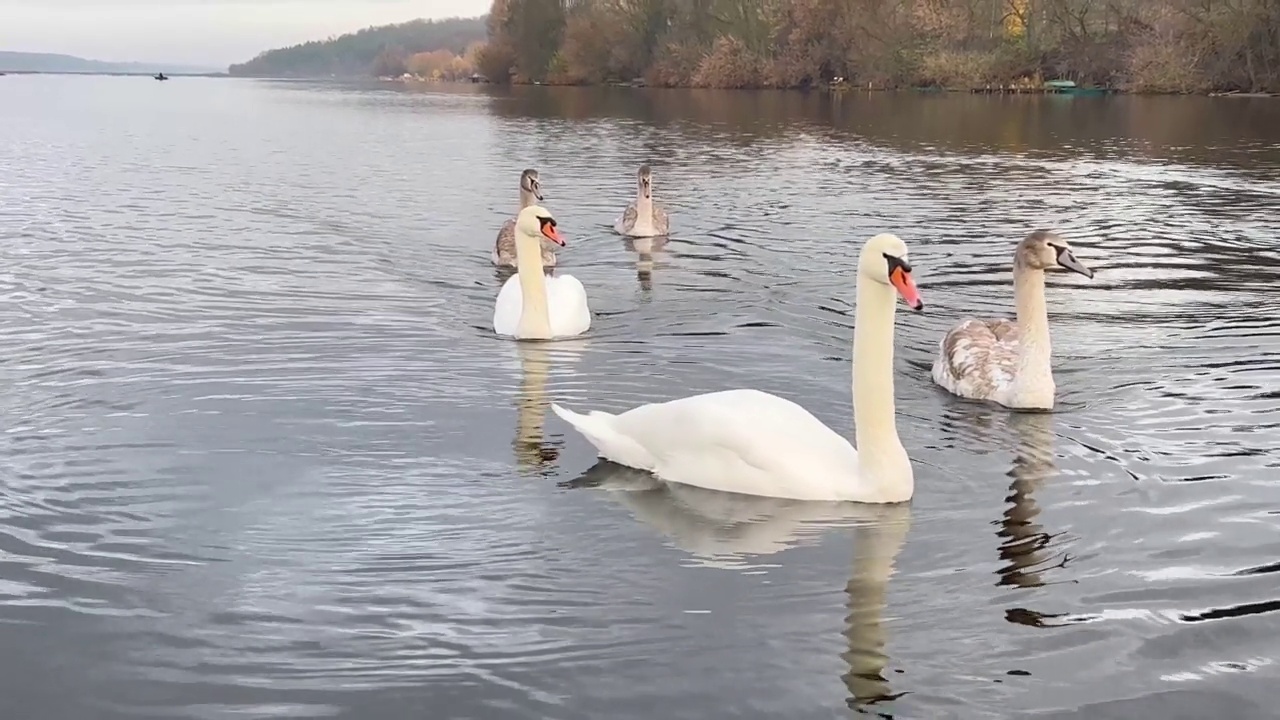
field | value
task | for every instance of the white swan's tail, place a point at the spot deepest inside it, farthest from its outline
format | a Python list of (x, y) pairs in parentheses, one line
[(598, 428)]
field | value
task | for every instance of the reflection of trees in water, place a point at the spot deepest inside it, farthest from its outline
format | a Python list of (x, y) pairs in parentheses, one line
[(727, 530), (1179, 128)]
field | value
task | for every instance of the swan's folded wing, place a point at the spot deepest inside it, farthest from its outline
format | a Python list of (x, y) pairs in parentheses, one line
[(743, 441), (626, 220), (661, 219), (1005, 331), (507, 308), (978, 357), (504, 247), (567, 300)]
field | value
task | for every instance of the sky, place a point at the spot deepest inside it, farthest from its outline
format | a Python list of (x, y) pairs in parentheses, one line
[(211, 33)]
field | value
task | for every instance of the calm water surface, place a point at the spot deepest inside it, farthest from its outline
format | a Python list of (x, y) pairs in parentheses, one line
[(262, 456)]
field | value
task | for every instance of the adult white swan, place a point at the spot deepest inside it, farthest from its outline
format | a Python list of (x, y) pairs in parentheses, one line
[(643, 217), (1004, 361), (532, 306), (504, 248), (754, 443)]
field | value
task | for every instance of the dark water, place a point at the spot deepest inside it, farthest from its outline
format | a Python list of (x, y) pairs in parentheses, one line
[(263, 458)]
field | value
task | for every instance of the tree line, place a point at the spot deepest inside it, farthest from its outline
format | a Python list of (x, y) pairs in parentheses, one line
[(1139, 45), (384, 50)]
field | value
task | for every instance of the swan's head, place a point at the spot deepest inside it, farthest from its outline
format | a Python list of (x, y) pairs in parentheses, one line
[(1046, 250), (536, 222), (644, 180), (884, 260), (530, 184)]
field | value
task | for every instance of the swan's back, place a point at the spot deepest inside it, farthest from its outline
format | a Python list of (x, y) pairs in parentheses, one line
[(743, 441), (567, 306), (660, 220), (504, 247), (978, 359)]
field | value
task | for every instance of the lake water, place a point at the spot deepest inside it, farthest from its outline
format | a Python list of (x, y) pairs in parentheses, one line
[(262, 456)]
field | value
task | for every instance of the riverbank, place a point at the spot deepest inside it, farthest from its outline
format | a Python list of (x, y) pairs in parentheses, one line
[(1146, 46), (996, 89)]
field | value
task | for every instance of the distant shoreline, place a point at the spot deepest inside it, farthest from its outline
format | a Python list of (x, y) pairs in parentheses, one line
[(1084, 92), (139, 73), (925, 90), (846, 88)]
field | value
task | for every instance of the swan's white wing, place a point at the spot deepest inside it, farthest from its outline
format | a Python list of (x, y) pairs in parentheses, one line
[(507, 308), (567, 300), (742, 441)]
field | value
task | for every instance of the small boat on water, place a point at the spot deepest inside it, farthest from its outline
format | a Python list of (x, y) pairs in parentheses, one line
[(161, 76), (1069, 87)]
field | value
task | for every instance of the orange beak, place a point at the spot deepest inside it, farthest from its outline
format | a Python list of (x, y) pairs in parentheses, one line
[(906, 287), (550, 232)]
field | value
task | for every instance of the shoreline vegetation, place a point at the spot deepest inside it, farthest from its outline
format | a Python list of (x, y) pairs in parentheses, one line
[(378, 51), (1231, 47), (1150, 46)]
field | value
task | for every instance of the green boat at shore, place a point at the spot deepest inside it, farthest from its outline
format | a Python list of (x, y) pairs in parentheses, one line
[(1069, 87)]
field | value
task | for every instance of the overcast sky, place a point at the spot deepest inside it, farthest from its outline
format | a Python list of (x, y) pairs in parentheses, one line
[(198, 32)]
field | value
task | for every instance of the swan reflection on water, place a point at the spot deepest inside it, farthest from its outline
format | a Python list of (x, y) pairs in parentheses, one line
[(727, 530), (533, 454), (1026, 548), (645, 250)]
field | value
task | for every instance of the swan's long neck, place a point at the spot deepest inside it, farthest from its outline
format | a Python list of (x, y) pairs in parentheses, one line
[(526, 198), (883, 462), (644, 206), (1033, 325), (535, 316)]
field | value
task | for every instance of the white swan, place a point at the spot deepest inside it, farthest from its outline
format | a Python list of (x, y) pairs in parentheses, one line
[(754, 443), (504, 248), (532, 306), (643, 217), (1004, 361)]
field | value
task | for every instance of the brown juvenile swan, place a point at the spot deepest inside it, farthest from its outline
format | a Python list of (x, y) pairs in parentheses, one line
[(504, 249)]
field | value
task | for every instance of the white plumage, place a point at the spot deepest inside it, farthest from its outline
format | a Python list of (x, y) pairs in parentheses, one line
[(530, 305), (750, 442), (567, 308)]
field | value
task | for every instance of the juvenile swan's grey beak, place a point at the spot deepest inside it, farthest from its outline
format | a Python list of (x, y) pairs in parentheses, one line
[(537, 192), (1068, 260)]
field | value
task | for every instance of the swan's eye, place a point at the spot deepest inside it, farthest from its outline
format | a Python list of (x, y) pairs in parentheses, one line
[(896, 262)]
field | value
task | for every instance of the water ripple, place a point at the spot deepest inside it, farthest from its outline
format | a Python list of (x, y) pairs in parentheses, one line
[(264, 456)]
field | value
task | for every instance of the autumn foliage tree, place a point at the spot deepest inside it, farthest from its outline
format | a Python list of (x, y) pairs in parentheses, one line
[(1162, 45)]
